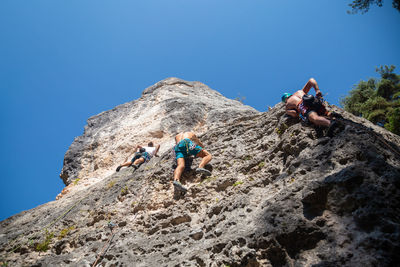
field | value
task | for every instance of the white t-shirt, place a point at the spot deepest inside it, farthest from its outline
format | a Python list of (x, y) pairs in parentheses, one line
[(150, 149)]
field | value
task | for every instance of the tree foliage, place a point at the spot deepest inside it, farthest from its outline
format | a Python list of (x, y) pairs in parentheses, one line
[(377, 100), (364, 5)]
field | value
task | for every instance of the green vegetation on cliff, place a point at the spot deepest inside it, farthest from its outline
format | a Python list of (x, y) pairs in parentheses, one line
[(377, 100)]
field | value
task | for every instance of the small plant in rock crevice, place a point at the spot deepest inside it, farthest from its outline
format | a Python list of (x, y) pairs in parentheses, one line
[(124, 190), (44, 246), (248, 157), (111, 184), (238, 183), (64, 232)]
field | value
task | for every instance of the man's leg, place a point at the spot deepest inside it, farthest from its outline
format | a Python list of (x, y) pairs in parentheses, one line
[(206, 158), (126, 164), (138, 161), (314, 118), (178, 173), (179, 169)]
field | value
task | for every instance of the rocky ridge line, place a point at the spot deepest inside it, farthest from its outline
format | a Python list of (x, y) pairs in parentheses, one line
[(168, 107), (279, 196)]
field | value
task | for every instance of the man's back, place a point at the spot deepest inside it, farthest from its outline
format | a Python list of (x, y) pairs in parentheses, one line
[(294, 100), (150, 149), (183, 135)]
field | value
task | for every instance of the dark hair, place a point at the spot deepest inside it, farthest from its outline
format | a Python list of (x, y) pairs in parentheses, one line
[(142, 150), (150, 144)]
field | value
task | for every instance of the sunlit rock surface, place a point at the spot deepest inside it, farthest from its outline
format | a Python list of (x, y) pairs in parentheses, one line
[(280, 194)]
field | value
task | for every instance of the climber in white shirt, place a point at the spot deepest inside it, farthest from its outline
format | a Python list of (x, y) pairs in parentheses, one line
[(141, 155)]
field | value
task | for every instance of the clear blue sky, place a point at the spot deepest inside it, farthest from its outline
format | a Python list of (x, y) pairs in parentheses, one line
[(64, 61)]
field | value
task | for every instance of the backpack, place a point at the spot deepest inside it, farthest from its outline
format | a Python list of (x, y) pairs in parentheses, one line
[(312, 102)]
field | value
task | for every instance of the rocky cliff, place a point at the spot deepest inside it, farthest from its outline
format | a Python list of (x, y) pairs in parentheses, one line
[(166, 108), (280, 194)]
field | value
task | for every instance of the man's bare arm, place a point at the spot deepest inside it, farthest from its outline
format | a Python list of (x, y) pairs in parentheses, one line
[(155, 152), (312, 83), (136, 150)]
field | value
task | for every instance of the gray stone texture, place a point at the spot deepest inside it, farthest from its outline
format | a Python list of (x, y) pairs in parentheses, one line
[(168, 107), (279, 195)]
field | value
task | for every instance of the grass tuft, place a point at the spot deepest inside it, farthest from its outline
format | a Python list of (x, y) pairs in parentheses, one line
[(64, 232), (238, 183), (44, 246)]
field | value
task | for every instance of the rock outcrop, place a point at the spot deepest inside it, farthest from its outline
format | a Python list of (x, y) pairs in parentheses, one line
[(166, 108), (279, 195)]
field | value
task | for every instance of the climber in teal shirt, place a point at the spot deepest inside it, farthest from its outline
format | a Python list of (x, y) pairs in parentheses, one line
[(187, 144)]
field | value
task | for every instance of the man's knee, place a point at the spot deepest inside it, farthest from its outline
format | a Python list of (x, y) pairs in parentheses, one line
[(139, 161), (181, 163), (204, 153), (312, 116)]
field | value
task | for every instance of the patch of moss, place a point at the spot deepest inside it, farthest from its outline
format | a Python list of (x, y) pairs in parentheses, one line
[(124, 190), (238, 183), (111, 184), (282, 128), (148, 168), (261, 164), (209, 179), (44, 246), (248, 157), (64, 232), (76, 181)]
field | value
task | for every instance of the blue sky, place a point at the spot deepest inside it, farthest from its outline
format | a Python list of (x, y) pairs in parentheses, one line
[(64, 61)]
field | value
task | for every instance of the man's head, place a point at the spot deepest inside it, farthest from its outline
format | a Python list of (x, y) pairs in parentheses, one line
[(285, 96), (150, 144)]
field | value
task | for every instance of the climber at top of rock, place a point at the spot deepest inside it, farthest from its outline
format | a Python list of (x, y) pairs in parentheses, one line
[(310, 109), (141, 155), (187, 144)]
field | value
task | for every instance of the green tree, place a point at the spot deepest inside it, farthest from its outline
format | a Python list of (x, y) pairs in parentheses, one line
[(364, 5), (377, 100)]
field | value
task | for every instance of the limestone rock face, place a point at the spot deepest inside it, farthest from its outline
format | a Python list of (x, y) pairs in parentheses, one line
[(280, 194), (166, 108)]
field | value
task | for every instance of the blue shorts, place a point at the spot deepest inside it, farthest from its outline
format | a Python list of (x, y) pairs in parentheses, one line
[(185, 148), (145, 155)]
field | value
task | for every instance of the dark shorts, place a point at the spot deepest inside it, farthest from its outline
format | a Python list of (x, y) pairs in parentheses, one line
[(185, 148), (145, 155), (305, 111)]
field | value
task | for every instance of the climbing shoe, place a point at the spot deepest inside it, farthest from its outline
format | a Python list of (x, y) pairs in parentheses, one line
[(179, 186), (203, 171), (118, 168), (135, 166), (336, 115), (332, 127)]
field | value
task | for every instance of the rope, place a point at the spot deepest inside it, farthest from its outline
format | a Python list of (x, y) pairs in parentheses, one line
[(47, 226), (108, 243)]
